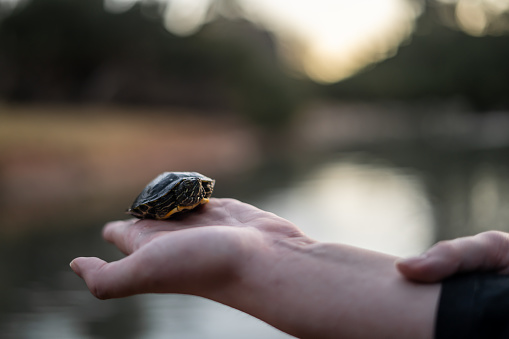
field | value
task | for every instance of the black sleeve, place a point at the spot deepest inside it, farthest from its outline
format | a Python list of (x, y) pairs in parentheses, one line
[(474, 306)]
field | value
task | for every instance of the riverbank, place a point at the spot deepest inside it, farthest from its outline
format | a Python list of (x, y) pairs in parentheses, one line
[(73, 162)]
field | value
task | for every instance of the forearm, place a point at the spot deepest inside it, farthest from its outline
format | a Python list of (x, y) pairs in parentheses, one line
[(263, 265), (330, 290)]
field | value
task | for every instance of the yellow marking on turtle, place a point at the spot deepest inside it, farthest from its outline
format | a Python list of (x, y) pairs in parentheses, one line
[(182, 208)]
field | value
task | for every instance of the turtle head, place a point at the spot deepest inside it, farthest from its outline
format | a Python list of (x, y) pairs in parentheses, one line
[(133, 213), (138, 212), (191, 191)]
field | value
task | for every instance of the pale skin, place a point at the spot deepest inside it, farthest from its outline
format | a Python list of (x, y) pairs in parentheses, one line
[(487, 251), (264, 265)]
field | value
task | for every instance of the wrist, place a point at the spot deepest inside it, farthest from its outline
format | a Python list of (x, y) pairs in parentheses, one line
[(267, 285), (311, 289)]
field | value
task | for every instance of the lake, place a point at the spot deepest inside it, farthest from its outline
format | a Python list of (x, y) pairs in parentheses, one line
[(367, 176), (382, 198)]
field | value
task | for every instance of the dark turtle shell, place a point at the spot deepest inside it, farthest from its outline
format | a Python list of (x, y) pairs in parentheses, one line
[(172, 192)]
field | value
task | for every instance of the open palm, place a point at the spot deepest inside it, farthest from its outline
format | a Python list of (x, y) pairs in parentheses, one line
[(194, 253)]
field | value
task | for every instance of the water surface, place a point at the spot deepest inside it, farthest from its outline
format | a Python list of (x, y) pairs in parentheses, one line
[(394, 202)]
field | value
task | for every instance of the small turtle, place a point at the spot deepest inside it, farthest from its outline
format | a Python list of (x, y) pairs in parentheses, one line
[(172, 192)]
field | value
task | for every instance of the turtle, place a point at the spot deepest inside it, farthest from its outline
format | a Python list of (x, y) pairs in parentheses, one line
[(170, 193)]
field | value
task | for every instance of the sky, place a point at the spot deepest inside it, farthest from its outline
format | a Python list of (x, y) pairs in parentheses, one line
[(325, 40), (329, 40)]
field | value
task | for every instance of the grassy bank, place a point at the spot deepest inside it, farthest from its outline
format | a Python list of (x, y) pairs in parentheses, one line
[(66, 162)]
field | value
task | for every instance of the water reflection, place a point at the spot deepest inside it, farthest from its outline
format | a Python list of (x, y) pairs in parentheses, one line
[(470, 193), (186, 317), (394, 201), (487, 199), (77, 315), (361, 202), (40, 297), (73, 314)]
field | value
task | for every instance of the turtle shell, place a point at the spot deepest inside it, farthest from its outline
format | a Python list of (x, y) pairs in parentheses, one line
[(170, 193)]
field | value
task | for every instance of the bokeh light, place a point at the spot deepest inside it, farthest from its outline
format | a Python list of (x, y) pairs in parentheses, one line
[(481, 17), (361, 203), (325, 40), (184, 17), (331, 40), (410, 146)]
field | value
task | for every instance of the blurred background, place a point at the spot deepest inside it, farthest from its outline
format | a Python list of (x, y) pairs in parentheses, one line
[(382, 124)]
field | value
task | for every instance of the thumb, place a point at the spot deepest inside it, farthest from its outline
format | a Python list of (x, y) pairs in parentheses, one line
[(107, 280), (425, 268), (488, 251)]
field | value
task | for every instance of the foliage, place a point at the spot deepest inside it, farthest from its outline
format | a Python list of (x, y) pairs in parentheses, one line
[(439, 63), (74, 51)]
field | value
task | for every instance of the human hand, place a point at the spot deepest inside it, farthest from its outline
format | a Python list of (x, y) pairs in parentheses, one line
[(488, 251), (180, 255), (261, 264)]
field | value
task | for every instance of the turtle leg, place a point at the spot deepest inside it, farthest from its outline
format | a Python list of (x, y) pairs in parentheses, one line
[(183, 208), (190, 198)]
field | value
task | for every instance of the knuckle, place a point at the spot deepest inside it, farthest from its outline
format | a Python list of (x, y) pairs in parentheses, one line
[(494, 237), (445, 246), (447, 251), (496, 246)]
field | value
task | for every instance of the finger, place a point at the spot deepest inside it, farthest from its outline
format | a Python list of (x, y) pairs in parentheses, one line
[(130, 235), (108, 280), (120, 233), (488, 251)]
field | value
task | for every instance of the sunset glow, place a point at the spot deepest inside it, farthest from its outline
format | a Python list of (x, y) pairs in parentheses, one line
[(326, 40), (329, 40)]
